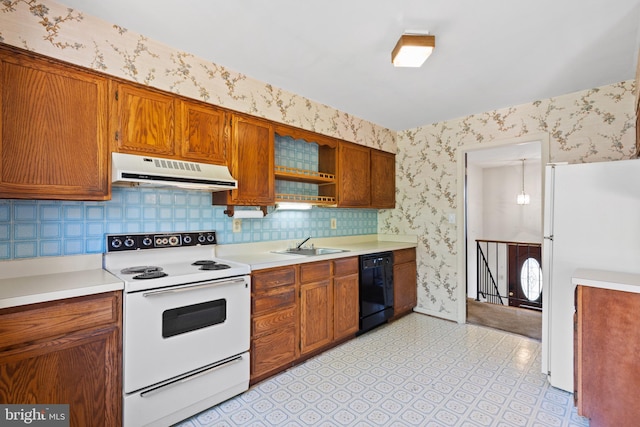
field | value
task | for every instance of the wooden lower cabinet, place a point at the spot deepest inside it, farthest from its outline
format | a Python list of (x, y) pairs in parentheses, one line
[(346, 302), (405, 286), (316, 308), (285, 329), (273, 321), (607, 343), (65, 352)]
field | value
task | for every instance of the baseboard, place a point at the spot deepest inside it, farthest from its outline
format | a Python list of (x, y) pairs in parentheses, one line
[(445, 316)]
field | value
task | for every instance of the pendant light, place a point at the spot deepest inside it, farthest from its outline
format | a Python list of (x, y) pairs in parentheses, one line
[(523, 198)]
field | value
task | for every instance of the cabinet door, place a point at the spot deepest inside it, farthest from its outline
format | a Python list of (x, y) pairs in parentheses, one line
[(252, 162), (65, 352), (144, 121), (274, 351), (606, 356), (53, 142), (316, 323), (405, 287), (346, 306), (202, 133), (383, 180), (78, 370), (354, 179)]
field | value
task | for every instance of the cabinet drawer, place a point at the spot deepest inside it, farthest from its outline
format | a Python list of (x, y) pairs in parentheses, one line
[(268, 279), (315, 271), (273, 321), (51, 319), (345, 266), (273, 351), (282, 298), (404, 255)]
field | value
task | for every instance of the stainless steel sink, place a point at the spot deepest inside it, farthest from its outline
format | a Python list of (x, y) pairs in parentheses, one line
[(311, 251)]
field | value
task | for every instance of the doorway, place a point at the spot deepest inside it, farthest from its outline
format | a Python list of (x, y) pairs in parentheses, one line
[(491, 177)]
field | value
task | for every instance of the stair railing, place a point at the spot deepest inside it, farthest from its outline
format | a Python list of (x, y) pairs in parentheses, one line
[(487, 286)]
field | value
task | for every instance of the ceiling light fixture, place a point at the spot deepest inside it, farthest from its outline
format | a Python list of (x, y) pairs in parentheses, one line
[(523, 198), (412, 50)]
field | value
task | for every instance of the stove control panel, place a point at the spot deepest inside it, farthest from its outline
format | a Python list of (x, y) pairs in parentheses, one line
[(137, 241)]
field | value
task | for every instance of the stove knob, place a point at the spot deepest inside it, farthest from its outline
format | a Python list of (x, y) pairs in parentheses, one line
[(173, 240), (186, 239), (210, 238), (129, 242), (116, 243), (201, 238), (147, 241)]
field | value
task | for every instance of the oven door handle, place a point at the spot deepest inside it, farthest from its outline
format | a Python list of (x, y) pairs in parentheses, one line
[(194, 287), (168, 385)]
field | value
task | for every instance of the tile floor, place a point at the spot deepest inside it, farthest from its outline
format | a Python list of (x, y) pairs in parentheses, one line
[(417, 371)]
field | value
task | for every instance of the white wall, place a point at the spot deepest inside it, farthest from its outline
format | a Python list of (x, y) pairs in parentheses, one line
[(503, 219)]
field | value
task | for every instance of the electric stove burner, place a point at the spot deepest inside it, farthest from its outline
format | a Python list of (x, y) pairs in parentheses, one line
[(204, 262), (153, 274), (214, 266), (140, 269)]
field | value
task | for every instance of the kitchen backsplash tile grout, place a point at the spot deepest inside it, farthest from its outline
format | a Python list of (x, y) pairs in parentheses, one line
[(40, 228)]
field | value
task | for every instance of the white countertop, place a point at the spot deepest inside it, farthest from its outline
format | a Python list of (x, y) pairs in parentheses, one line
[(35, 280), (614, 280), (260, 255)]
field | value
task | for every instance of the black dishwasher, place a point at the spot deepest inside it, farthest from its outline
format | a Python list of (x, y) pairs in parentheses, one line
[(376, 290)]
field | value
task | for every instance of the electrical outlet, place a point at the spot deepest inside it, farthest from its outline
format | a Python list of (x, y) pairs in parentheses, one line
[(334, 224), (237, 225)]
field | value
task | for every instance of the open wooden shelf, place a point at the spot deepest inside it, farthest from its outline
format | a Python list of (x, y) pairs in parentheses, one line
[(303, 175), (305, 198)]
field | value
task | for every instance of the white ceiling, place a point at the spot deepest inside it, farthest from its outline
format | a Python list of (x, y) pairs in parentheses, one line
[(489, 54)]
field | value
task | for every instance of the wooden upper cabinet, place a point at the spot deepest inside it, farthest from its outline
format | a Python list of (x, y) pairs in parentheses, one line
[(202, 133), (354, 175), (53, 141), (383, 179), (251, 162), (143, 121), (150, 122)]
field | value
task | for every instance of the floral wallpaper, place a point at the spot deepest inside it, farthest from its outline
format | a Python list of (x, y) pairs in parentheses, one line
[(592, 125), (52, 29), (588, 126)]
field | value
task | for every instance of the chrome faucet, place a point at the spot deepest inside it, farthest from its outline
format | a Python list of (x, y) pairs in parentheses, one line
[(302, 243)]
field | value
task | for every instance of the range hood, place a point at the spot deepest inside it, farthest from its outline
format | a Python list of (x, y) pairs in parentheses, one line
[(131, 170)]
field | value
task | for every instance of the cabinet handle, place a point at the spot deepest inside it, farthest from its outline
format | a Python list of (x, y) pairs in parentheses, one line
[(189, 378)]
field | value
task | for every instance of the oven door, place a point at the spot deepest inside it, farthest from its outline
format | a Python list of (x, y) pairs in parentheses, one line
[(171, 331)]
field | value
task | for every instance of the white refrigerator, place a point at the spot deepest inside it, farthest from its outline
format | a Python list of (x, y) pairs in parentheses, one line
[(591, 220)]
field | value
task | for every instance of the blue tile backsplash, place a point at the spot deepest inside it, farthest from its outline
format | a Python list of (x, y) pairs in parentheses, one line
[(40, 228)]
